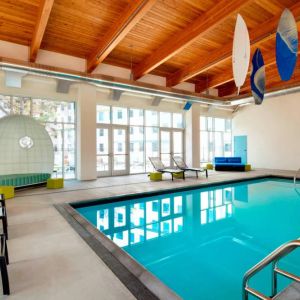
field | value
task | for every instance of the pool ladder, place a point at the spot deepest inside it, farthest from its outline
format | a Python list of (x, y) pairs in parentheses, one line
[(295, 177), (273, 258)]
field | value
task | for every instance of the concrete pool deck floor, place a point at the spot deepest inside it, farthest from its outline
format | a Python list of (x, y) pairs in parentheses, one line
[(49, 260)]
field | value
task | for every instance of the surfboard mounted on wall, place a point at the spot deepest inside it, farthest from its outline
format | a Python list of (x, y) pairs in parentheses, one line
[(240, 52), (258, 77), (286, 45)]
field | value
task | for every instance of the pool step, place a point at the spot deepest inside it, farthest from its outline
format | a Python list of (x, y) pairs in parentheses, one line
[(292, 292)]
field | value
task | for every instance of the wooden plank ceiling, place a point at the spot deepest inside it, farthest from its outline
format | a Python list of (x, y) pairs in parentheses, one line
[(183, 40)]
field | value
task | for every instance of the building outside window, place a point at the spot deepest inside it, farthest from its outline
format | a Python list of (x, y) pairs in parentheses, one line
[(58, 117), (103, 114), (119, 115), (215, 138), (101, 132)]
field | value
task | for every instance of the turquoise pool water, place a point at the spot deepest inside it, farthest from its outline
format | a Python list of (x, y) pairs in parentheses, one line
[(201, 242)]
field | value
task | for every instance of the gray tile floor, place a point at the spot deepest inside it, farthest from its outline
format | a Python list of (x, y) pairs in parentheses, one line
[(48, 258)]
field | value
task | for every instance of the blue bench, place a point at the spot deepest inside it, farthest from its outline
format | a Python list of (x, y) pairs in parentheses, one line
[(229, 164)]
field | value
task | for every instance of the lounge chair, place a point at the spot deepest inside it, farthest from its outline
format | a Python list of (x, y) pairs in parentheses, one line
[(159, 167), (180, 163)]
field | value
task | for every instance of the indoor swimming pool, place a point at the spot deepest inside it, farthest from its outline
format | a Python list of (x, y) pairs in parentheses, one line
[(200, 242)]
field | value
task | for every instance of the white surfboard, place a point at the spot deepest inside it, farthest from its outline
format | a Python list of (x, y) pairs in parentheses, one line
[(240, 52)]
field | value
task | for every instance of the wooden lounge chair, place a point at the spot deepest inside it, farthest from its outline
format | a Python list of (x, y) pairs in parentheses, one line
[(180, 163), (159, 167)]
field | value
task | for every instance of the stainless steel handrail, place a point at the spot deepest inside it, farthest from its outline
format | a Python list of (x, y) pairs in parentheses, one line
[(295, 177), (273, 258)]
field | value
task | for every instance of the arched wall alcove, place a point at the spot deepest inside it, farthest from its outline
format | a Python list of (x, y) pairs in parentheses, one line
[(25, 146)]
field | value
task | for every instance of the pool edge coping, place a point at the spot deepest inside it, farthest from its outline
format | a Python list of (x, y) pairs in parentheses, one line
[(130, 196), (141, 283)]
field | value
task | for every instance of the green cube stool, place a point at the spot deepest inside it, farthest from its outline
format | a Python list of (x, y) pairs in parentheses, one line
[(8, 191), (178, 175), (247, 168), (155, 176), (209, 166), (55, 183)]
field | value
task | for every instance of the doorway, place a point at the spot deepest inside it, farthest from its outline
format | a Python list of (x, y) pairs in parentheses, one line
[(112, 150), (171, 144), (240, 147)]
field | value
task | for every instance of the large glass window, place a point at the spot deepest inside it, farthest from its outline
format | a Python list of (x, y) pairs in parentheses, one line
[(137, 153), (178, 143), (21, 106), (215, 138), (165, 119), (5, 105), (152, 145), (59, 120), (177, 120), (119, 149), (165, 147), (151, 118), (119, 115), (103, 114), (136, 116), (102, 149), (145, 135)]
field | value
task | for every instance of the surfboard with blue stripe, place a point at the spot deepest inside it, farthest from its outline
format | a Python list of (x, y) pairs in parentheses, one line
[(258, 77), (286, 45)]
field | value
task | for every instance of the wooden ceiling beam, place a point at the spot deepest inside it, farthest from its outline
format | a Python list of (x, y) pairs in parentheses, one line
[(40, 27), (134, 12), (202, 25), (275, 85), (228, 90), (273, 82), (262, 33), (201, 85), (194, 3), (226, 77)]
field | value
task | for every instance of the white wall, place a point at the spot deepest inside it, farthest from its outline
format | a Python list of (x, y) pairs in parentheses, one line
[(15, 51), (33, 86), (60, 60), (273, 131)]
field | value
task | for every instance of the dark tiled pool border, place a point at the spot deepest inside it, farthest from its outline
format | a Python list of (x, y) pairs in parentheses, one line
[(139, 281), (131, 196)]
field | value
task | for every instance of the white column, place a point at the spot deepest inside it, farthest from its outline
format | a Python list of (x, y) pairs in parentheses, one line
[(192, 136), (196, 135), (86, 133), (188, 137)]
